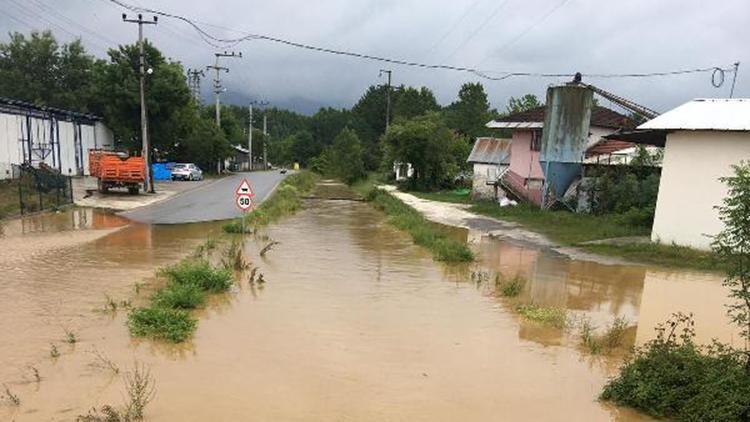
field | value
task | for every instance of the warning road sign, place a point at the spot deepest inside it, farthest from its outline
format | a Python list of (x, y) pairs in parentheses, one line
[(245, 189)]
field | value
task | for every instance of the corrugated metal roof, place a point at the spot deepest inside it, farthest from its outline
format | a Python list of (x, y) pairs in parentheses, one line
[(490, 151), (608, 146), (534, 119), (705, 114)]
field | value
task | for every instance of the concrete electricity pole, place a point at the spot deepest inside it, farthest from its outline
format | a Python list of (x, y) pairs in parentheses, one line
[(250, 136), (218, 89), (387, 97), (148, 185), (265, 141)]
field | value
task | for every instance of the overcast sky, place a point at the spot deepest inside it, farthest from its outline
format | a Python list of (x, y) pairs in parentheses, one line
[(550, 36)]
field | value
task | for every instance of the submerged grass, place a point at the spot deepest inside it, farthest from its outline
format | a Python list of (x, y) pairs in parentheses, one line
[(509, 287), (547, 315), (404, 217), (188, 283), (612, 337), (286, 200)]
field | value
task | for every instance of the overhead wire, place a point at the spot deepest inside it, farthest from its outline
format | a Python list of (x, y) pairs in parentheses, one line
[(486, 74), (476, 31), (455, 24)]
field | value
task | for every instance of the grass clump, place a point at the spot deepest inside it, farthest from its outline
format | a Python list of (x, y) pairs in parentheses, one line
[(672, 377), (199, 273), (424, 233), (140, 388), (179, 296), (611, 339), (173, 325), (509, 287), (547, 315), (456, 196), (285, 201)]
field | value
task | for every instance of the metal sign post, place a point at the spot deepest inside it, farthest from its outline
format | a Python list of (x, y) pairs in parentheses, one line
[(243, 198)]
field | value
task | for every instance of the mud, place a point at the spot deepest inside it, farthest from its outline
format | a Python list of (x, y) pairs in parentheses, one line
[(353, 323)]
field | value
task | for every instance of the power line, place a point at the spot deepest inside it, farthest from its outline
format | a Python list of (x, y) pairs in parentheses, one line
[(477, 29), (455, 25), (486, 74), (533, 25)]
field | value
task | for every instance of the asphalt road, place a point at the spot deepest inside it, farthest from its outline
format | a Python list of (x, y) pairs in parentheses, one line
[(211, 202)]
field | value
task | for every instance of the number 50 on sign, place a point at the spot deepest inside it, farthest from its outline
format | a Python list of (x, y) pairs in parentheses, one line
[(244, 202)]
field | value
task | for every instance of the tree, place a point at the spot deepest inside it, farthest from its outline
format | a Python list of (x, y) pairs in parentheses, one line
[(344, 159), (37, 69), (411, 102), (436, 154), (527, 102), (204, 144), (469, 114), (304, 148), (732, 245)]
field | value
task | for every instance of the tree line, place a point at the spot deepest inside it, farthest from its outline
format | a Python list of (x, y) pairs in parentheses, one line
[(345, 143)]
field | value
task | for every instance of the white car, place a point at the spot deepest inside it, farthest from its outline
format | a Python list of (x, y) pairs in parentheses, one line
[(186, 171)]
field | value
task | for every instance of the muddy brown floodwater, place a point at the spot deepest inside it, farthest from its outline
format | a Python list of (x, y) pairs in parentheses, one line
[(355, 323)]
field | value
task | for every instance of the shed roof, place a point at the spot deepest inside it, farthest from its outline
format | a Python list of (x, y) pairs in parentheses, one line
[(534, 118), (731, 114), (490, 151), (608, 146), (9, 105)]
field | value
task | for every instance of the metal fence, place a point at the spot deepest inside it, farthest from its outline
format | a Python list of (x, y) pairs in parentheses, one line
[(41, 188)]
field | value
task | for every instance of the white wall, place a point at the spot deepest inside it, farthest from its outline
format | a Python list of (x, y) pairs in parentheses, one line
[(482, 174), (690, 187), (13, 129)]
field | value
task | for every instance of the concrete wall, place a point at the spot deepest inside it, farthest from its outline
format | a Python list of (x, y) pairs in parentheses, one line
[(524, 161), (484, 173), (690, 189)]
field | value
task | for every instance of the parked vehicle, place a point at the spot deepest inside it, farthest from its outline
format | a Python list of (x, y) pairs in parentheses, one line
[(283, 171), (117, 170), (186, 171)]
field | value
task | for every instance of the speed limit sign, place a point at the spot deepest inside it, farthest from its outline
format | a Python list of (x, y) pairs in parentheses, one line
[(244, 202)]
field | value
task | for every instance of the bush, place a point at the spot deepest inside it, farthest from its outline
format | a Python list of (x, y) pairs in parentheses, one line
[(199, 273), (671, 377), (161, 323), (179, 296), (510, 288), (554, 316)]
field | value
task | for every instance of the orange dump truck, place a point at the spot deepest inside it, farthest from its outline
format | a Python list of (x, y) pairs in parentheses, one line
[(117, 170)]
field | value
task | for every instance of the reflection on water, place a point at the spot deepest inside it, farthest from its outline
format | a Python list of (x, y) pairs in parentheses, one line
[(354, 323)]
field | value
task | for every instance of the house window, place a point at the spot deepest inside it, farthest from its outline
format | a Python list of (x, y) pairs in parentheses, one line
[(536, 140)]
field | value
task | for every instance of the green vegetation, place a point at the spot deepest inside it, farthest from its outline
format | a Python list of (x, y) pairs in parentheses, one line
[(455, 196), (509, 287), (406, 218), (285, 201), (188, 282), (344, 160), (672, 377), (141, 390), (547, 315), (174, 325), (660, 254), (612, 338)]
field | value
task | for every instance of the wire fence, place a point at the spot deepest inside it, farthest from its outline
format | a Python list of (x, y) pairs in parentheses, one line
[(32, 190)]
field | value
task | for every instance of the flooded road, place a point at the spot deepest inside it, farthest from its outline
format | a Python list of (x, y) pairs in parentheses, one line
[(354, 323)]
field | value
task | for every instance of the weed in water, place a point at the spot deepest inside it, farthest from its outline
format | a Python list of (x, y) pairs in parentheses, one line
[(173, 325), (102, 361), (137, 287), (141, 390), (251, 278), (110, 304), (11, 397), (510, 288), (70, 337), (586, 332), (53, 352), (268, 247), (233, 258), (199, 273), (179, 296), (611, 339), (35, 372), (554, 316), (204, 249)]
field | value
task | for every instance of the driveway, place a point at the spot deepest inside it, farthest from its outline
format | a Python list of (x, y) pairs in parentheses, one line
[(210, 202)]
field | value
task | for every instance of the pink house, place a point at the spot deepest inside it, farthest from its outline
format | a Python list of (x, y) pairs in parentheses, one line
[(524, 176)]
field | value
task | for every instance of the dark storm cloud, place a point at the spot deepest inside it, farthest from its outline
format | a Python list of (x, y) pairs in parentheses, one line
[(493, 35)]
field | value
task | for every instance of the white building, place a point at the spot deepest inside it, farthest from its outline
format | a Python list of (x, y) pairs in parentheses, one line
[(490, 158), (58, 138), (703, 139)]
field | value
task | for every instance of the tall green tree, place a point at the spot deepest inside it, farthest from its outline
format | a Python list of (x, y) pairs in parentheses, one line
[(469, 114), (436, 154), (38, 69), (411, 102), (344, 159), (524, 103)]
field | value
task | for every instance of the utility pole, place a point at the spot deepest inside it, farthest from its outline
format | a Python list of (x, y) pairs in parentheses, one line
[(218, 88), (734, 78), (250, 136), (387, 97), (148, 185), (265, 141)]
